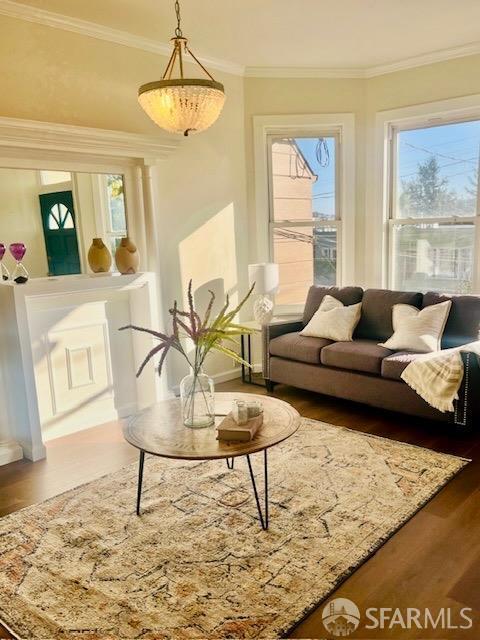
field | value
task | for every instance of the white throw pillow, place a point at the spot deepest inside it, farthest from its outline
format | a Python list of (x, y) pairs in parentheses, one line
[(418, 330), (333, 320)]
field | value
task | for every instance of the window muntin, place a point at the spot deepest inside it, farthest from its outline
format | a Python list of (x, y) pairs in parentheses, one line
[(434, 207), (60, 218), (304, 213)]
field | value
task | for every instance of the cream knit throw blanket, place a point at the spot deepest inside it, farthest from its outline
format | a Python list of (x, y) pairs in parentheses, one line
[(437, 377)]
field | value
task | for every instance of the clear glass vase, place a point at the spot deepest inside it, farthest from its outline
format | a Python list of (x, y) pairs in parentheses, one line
[(198, 400)]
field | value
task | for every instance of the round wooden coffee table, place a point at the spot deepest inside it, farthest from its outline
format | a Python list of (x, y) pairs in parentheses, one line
[(159, 431)]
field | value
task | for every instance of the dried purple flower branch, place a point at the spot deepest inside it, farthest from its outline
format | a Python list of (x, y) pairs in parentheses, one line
[(205, 336)]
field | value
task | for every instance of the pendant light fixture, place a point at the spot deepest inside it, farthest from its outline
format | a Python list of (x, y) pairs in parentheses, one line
[(179, 104)]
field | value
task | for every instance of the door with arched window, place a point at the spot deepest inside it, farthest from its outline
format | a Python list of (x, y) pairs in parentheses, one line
[(59, 229)]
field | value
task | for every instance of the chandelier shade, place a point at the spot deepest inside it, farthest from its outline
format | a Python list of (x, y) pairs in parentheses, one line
[(182, 105)]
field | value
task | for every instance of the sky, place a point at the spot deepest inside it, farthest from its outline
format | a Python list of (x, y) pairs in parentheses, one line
[(324, 187), (456, 147)]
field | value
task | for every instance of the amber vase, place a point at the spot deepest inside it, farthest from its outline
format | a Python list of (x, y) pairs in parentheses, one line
[(99, 257), (127, 258)]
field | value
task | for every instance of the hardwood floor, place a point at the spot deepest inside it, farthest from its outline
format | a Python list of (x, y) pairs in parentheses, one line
[(433, 561)]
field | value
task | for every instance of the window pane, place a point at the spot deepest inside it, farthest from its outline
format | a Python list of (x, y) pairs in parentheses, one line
[(303, 178), (305, 255), (116, 203), (433, 257), (437, 171)]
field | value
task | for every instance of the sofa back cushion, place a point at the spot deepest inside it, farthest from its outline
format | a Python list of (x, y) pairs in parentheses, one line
[(377, 307), (346, 295), (463, 324)]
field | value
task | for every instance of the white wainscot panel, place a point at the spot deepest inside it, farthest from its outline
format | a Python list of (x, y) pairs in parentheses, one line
[(66, 366), (73, 373)]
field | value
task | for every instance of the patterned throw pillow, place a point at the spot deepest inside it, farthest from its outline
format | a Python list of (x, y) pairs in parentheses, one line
[(333, 320), (418, 330)]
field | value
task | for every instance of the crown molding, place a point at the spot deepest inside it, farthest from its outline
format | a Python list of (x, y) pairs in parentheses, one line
[(46, 18), (442, 55), (303, 72), (365, 72), (28, 13), (48, 136)]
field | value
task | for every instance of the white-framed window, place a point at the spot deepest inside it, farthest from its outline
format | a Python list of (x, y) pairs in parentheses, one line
[(111, 216), (433, 205), (305, 185), (304, 214), (114, 211)]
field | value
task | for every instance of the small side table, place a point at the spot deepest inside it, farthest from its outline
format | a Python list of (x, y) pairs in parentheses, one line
[(246, 353)]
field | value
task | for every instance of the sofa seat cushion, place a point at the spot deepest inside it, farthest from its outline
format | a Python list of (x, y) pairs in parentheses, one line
[(393, 366), (359, 355), (293, 346)]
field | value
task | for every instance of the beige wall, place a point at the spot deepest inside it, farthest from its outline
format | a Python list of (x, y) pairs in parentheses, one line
[(203, 219), (20, 219), (286, 96), (56, 76), (364, 98)]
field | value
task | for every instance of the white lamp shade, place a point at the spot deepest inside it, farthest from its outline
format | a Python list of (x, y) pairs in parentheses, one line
[(265, 276)]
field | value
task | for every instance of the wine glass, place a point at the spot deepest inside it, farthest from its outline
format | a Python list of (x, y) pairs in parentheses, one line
[(3, 268), (20, 274)]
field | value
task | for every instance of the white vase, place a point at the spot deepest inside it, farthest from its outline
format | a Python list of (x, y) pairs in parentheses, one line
[(263, 309)]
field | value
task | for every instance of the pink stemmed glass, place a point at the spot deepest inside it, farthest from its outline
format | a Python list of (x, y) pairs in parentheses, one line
[(18, 250)]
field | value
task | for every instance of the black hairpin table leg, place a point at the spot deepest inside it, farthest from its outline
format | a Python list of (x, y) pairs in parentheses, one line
[(140, 480), (263, 516), (230, 463)]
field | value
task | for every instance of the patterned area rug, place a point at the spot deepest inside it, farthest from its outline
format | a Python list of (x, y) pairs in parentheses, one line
[(196, 564)]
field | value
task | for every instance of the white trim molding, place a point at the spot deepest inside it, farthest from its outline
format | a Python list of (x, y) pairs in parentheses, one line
[(20, 11), (304, 72), (432, 57), (342, 124), (378, 170), (48, 136), (47, 18)]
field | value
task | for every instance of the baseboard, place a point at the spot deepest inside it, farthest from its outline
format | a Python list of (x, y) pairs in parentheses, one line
[(218, 378), (10, 451), (225, 376)]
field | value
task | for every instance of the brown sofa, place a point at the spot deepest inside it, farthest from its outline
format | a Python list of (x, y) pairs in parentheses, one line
[(361, 370)]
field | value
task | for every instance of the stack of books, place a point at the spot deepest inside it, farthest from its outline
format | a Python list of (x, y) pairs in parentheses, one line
[(228, 429)]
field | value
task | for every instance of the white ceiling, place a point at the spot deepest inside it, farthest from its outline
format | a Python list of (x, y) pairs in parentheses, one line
[(293, 33)]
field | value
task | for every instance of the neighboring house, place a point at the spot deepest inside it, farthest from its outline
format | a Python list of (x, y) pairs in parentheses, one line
[(293, 180)]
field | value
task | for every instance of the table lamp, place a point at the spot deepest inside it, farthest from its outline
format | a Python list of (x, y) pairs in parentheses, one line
[(266, 279)]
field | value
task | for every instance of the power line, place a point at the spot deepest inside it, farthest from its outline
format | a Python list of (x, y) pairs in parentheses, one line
[(442, 166), (440, 155)]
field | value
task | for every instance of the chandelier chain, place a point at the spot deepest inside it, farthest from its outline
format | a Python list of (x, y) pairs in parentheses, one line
[(178, 30)]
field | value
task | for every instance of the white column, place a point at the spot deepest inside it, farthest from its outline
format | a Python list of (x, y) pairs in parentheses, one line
[(150, 208)]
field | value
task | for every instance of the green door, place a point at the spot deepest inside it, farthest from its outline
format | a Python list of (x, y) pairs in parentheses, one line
[(58, 219)]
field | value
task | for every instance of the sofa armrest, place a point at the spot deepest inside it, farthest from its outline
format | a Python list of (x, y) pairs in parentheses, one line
[(273, 330), (467, 407)]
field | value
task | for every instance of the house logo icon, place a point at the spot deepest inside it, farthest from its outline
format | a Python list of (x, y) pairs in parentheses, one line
[(340, 617)]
